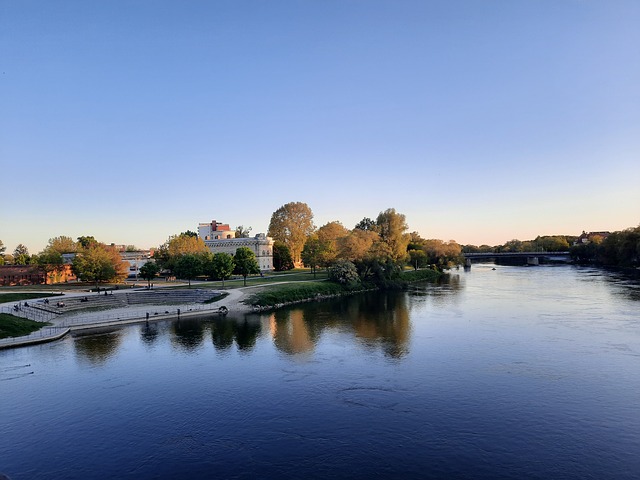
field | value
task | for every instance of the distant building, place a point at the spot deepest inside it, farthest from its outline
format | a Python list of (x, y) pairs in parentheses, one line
[(215, 231), (136, 260), (219, 238), (22, 275), (586, 238)]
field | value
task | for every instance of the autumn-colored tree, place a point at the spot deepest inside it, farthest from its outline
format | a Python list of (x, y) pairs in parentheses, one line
[(442, 254), (168, 254), (392, 227), (328, 236), (357, 244), (100, 263), (292, 224)]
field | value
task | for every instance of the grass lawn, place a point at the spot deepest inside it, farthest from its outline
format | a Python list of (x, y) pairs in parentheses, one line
[(17, 296), (11, 326)]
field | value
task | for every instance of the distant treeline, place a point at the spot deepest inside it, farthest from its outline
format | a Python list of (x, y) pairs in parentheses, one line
[(619, 249), (547, 243)]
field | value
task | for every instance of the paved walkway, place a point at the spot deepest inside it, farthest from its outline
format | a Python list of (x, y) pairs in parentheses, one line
[(66, 322)]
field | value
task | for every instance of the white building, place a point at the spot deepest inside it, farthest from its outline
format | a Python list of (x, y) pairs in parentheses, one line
[(219, 238)]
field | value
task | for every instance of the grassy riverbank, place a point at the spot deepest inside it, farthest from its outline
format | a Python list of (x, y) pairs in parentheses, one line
[(11, 326), (289, 293)]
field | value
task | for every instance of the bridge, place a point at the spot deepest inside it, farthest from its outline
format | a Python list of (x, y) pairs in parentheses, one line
[(528, 258)]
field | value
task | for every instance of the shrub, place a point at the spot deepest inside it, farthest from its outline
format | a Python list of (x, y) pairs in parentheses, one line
[(343, 272)]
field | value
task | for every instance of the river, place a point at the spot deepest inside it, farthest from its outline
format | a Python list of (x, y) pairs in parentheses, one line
[(496, 373)]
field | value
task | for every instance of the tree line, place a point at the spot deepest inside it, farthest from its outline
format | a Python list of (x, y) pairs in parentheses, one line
[(187, 257), (618, 249), (372, 251)]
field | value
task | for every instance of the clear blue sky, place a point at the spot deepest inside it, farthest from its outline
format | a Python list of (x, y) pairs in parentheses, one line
[(481, 121)]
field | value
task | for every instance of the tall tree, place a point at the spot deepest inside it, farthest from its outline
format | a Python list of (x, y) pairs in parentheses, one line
[(100, 263), (356, 245), (392, 226), (246, 263), (149, 271), (21, 255), (282, 260), (2, 248), (329, 234), (292, 224)]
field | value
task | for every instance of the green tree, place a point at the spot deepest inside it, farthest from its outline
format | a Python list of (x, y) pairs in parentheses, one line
[(87, 241), (246, 263), (417, 257), (21, 255), (61, 244), (282, 260), (221, 267), (188, 266), (51, 262), (2, 248), (292, 224), (99, 263), (367, 225), (242, 232), (149, 271), (392, 226), (170, 252), (312, 253)]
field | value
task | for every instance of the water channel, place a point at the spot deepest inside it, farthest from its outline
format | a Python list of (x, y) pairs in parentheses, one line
[(497, 373)]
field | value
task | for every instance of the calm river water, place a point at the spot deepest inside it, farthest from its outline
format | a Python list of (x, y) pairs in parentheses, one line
[(492, 374)]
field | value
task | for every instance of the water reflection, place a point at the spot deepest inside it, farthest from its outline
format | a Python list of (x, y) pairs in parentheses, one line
[(379, 319), (290, 331), (226, 330), (149, 333), (188, 334), (97, 346)]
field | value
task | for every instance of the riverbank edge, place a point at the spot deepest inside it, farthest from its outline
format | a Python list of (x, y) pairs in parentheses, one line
[(406, 278)]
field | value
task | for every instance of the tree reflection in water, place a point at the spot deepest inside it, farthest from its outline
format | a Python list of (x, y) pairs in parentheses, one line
[(188, 334), (97, 346), (378, 319), (149, 333), (226, 330)]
